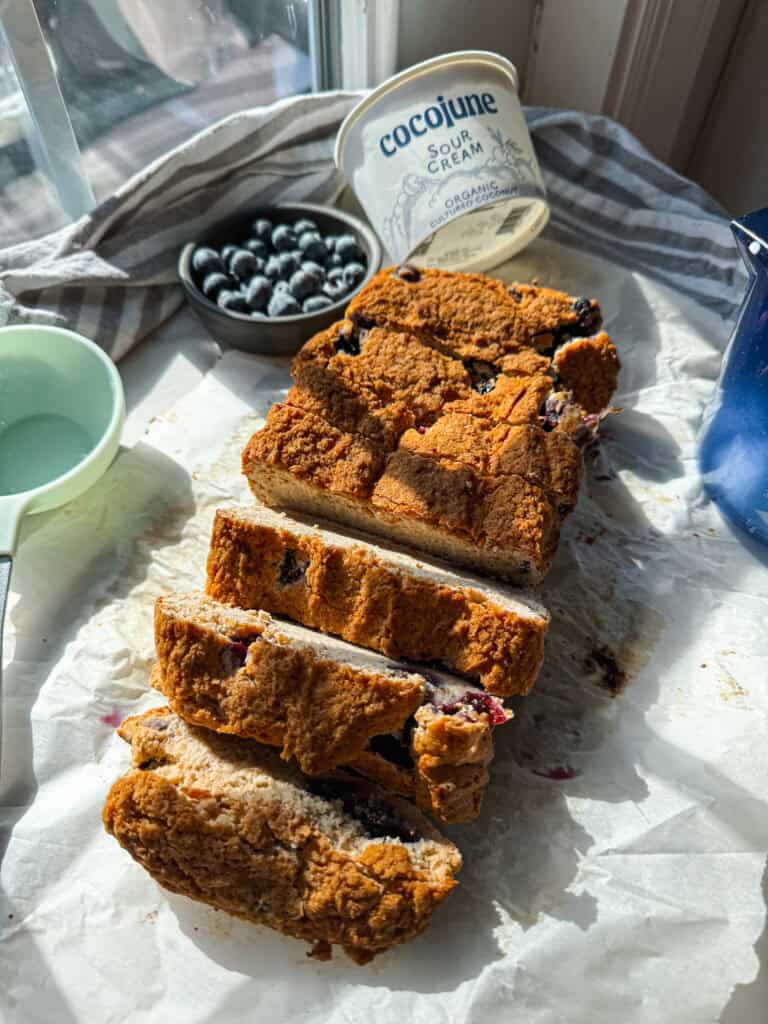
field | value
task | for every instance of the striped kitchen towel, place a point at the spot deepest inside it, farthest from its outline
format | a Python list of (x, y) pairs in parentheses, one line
[(112, 274), (610, 196)]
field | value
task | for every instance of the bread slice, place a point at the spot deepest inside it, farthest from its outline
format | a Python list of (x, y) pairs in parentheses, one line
[(377, 595), (224, 821), (428, 417), (325, 703)]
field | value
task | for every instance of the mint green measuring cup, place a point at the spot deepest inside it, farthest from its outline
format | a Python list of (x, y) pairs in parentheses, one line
[(61, 416)]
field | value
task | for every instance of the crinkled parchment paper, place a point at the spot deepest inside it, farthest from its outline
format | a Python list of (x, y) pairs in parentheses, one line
[(618, 870)]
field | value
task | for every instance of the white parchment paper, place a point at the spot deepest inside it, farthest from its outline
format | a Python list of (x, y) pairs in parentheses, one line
[(618, 870)]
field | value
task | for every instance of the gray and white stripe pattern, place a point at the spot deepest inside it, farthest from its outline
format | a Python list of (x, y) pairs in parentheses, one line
[(611, 197), (112, 274)]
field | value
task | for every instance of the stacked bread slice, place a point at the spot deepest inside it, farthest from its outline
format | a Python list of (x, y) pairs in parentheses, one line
[(225, 821), (334, 685)]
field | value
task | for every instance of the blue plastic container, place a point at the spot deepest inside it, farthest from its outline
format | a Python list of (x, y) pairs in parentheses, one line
[(733, 455)]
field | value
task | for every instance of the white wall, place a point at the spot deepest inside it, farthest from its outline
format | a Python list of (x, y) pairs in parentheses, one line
[(431, 27), (574, 45), (731, 155)]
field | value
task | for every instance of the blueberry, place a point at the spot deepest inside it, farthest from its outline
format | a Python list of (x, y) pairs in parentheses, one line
[(334, 260), (257, 247), (349, 250), (292, 569), (262, 229), (315, 303), (335, 291), (330, 243), (348, 341), (215, 283), (313, 246), (589, 318), (377, 819), (206, 261), (258, 292), (233, 302), (283, 303), (302, 284), (314, 268), (283, 238), (272, 268), (483, 375), (411, 274), (335, 276), (305, 224), (353, 274), (242, 264), (227, 250), (281, 286), (288, 263)]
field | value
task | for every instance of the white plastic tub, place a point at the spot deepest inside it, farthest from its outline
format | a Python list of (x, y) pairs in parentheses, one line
[(441, 159)]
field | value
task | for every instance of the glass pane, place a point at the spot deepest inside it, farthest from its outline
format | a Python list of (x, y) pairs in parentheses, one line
[(141, 76), (29, 205)]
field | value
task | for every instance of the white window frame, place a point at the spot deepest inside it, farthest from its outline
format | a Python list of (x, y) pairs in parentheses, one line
[(353, 42)]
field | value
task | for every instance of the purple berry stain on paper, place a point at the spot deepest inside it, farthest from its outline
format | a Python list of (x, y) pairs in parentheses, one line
[(560, 773)]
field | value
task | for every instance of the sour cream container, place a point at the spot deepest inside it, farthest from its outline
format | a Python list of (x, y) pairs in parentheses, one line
[(442, 162)]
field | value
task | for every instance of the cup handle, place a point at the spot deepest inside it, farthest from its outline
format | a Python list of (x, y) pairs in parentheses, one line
[(5, 584), (12, 508)]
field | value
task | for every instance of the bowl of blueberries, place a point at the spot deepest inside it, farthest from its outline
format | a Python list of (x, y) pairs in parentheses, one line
[(268, 281)]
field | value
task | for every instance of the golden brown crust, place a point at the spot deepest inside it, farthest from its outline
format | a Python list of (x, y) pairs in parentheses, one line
[(307, 446), (513, 400), (550, 460), (313, 707), (491, 514), (366, 598), (397, 383), (514, 510), (467, 312), (262, 852), (443, 493)]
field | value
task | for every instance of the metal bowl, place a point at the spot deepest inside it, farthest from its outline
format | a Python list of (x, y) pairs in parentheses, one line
[(275, 336)]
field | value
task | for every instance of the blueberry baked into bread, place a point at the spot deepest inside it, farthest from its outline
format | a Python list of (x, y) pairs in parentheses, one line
[(324, 703), (447, 412), (377, 595), (333, 861)]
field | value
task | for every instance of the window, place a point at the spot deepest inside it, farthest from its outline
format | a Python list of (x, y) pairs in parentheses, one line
[(93, 90)]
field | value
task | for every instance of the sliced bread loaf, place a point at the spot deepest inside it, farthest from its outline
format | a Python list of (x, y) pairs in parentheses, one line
[(325, 703), (224, 821), (377, 595)]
